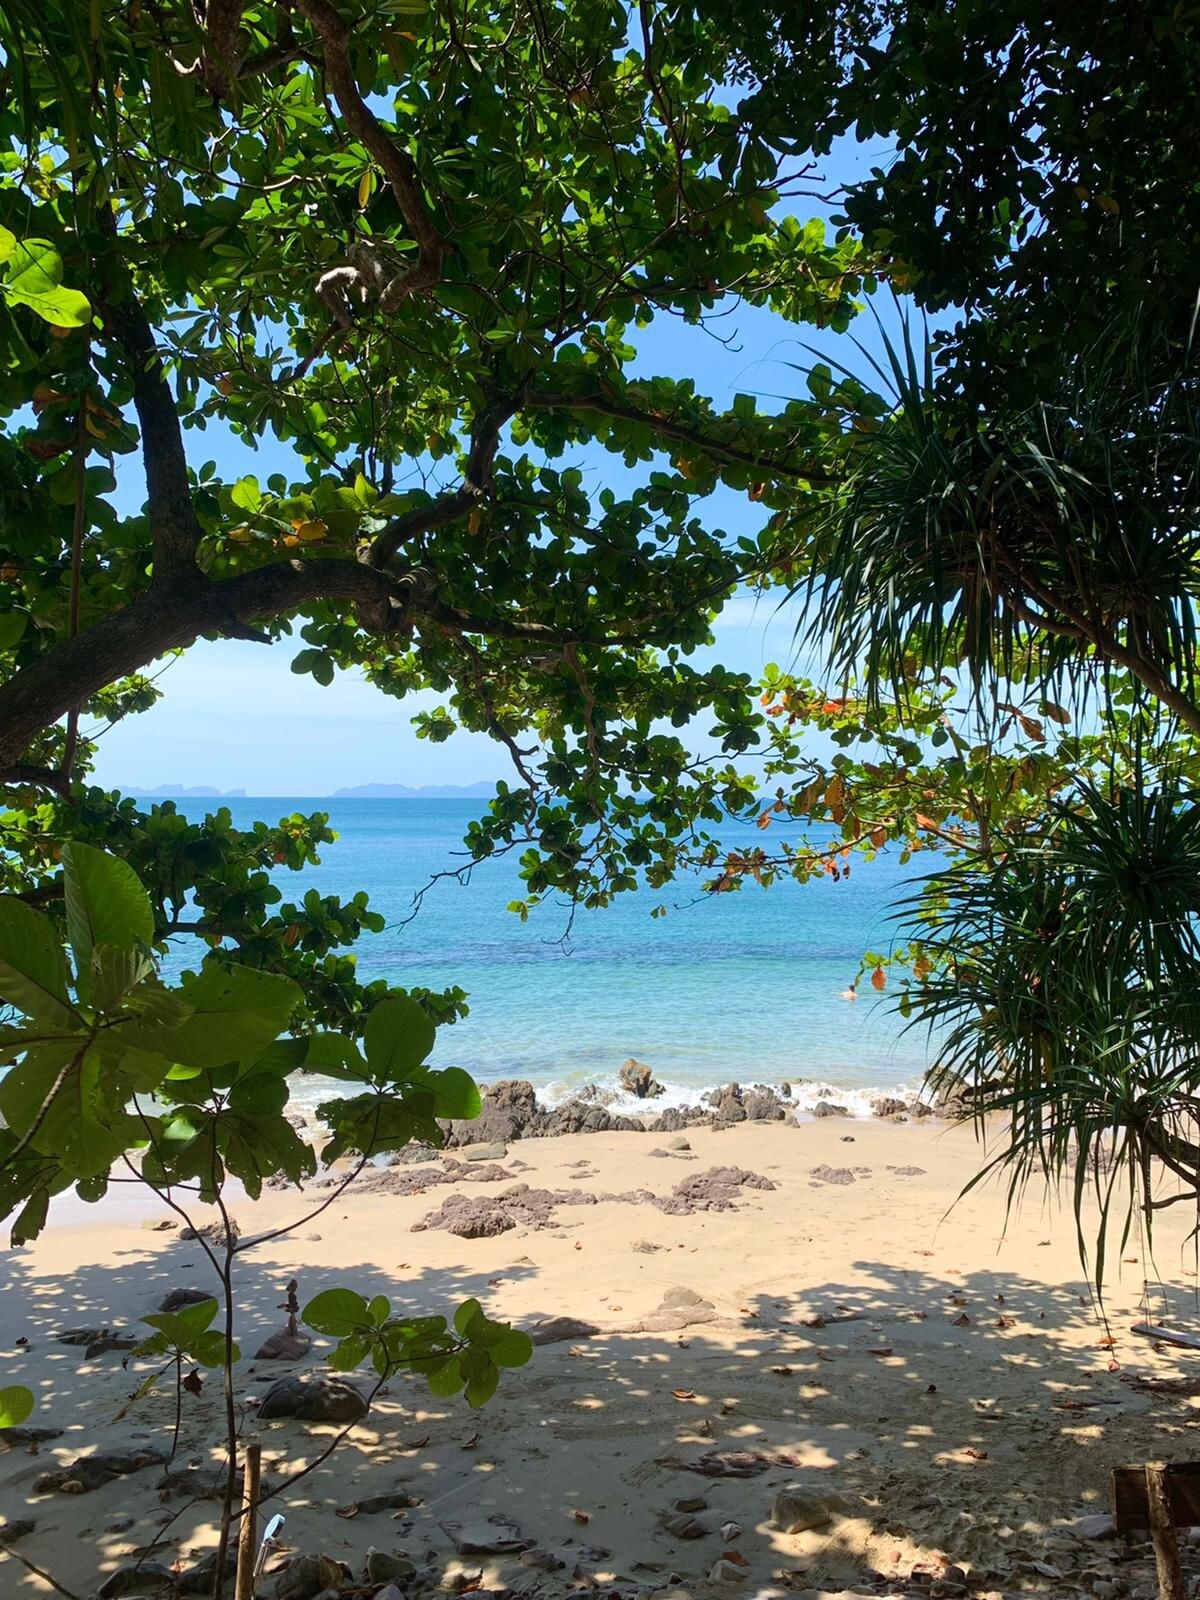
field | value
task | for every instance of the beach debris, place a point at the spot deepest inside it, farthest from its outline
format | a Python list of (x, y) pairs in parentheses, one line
[(93, 1472), (313, 1397), (735, 1463), (646, 1247), (582, 1517), (471, 1443), (799, 1507), (637, 1079), (26, 1433), (731, 1531), (684, 1394), (176, 1299), (18, 1528), (556, 1330)]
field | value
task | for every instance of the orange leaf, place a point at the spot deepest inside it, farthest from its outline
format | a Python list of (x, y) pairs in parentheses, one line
[(879, 979)]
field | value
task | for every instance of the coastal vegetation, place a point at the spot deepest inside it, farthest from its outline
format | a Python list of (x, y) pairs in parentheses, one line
[(400, 262)]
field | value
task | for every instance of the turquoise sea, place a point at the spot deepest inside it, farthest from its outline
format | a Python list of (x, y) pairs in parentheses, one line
[(739, 987)]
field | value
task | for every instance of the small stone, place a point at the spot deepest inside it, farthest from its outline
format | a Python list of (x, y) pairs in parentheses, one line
[(284, 1345), (798, 1508), (304, 1577), (178, 1298), (686, 1528), (726, 1572), (690, 1503), (541, 1560), (679, 1144), (313, 1398), (383, 1567), (213, 1232), (495, 1151), (1098, 1525)]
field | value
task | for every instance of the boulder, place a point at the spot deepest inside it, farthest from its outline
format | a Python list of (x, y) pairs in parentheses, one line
[(176, 1299), (136, 1578), (887, 1106), (198, 1579), (763, 1105), (283, 1345), (383, 1567), (509, 1111), (799, 1507), (729, 1107), (826, 1108), (305, 1576), (313, 1398), (636, 1078)]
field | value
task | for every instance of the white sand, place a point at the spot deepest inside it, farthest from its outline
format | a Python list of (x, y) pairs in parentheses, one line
[(965, 1411)]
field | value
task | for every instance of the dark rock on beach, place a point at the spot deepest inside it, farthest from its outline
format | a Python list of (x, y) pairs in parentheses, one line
[(313, 1398)]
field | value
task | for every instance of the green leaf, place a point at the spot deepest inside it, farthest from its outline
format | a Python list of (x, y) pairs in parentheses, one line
[(378, 1310), (262, 1093), (512, 1349), (8, 243), (236, 1012), (482, 1376), (398, 1037), (447, 1379), (337, 1312), (456, 1094), (115, 972), (16, 1403), (33, 965), (106, 905), (209, 1349), (335, 1056), (465, 1315)]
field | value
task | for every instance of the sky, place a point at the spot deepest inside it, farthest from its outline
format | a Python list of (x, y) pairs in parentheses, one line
[(233, 714)]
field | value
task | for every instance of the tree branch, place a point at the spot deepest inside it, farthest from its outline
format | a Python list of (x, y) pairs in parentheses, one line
[(398, 166), (769, 465)]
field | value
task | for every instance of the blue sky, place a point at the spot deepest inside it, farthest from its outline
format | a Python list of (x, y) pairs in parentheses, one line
[(233, 715)]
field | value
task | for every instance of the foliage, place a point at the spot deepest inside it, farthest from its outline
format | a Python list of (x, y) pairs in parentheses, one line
[(113, 1075), (1061, 984)]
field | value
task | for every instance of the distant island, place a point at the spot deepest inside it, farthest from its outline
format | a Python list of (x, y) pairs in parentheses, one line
[(401, 791), (180, 791)]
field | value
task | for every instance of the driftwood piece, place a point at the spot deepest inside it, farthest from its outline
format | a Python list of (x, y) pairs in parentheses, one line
[(1162, 1531)]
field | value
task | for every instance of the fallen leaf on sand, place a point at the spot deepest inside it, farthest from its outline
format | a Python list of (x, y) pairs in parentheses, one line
[(880, 1350), (346, 1512), (975, 1455), (469, 1444), (193, 1383), (1005, 1322), (735, 1556), (582, 1516), (783, 1372), (416, 1444), (961, 1322), (825, 1355), (579, 1244), (931, 1389), (1107, 1343), (684, 1394), (958, 1299)]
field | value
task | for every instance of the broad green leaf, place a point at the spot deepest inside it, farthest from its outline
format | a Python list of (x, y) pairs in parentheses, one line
[(12, 625), (465, 1316), (378, 1310), (481, 1374), (106, 905), (209, 1349), (512, 1349), (33, 965), (335, 1056), (398, 1037), (200, 1316), (337, 1312), (61, 307), (447, 1378), (261, 1092), (34, 268), (115, 972), (8, 243), (456, 1094), (236, 1012), (16, 1403)]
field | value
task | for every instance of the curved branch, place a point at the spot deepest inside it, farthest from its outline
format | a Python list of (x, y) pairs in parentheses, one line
[(398, 166)]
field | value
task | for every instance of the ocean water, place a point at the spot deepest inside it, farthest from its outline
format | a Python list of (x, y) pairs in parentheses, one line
[(739, 987)]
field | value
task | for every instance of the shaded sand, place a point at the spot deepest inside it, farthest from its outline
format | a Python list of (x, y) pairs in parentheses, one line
[(951, 1388)]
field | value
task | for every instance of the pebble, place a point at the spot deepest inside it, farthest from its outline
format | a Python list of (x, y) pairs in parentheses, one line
[(726, 1572)]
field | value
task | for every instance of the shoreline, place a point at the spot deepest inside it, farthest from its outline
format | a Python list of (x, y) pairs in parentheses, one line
[(941, 1381)]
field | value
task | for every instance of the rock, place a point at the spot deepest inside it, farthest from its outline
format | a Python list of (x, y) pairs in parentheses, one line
[(727, 1572), (96, 1341), (729, 1107), (541, 1560), (383, 1567), (496, 1151), (397, 1500), (679, 1296), (119, 1524), (178, 1298), (136, 1579), (679, 1144), (686, 1527), (826, 1108), (713, 1190), (93, 1472), (636, 1078), (798, 1507), (283, 1345), (213, 1232), (762, 1104), (509, 1111), (198, 1579), (483, 1538), (690, 1503), (646, 1247), (920, 1109), (468, 1217), (18, 1528), (887, 1106), (25, 1433), (1098, 1525), (305, 1576), (390, 1592), (827, 1174), (554, 1330), (313, 1398)]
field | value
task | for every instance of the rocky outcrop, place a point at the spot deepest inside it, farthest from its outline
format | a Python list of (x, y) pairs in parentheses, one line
[(636, 1078)]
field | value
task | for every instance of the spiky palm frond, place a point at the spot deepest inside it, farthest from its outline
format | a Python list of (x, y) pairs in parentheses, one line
[(1063, 993), (1060, 540)]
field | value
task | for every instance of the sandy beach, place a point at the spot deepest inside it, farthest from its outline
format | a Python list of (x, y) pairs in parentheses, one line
[(944, 1387)]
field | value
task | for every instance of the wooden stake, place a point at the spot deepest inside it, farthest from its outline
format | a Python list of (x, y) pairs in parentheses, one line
[(1162, 1531), (247, 1532)]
